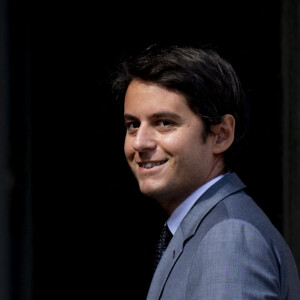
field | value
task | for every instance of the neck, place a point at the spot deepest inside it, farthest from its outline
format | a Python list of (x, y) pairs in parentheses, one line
[(170, 204)]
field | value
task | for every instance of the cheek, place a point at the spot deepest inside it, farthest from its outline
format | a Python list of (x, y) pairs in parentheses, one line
[(127, 148), (193, 152), (187, 144), (174, 143)]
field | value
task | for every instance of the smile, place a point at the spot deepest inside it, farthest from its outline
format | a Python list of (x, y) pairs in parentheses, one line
[(149, 165)]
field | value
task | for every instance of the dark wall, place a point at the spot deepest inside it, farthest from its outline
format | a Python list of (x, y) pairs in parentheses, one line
[(84, 201)]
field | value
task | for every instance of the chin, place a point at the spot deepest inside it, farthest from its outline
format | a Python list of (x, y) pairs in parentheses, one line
[(149, 190), (150, 193), (155, 192)]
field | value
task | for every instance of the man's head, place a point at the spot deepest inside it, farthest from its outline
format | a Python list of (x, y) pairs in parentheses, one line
[(184, 113), (209, 83)]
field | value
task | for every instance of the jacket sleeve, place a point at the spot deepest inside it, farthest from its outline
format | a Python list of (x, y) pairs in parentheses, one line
[(234, 261)]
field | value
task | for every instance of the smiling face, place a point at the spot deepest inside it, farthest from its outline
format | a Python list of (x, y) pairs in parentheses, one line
[(164, 144)]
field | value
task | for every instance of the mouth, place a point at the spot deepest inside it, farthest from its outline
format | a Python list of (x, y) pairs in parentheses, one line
[(151, 164)]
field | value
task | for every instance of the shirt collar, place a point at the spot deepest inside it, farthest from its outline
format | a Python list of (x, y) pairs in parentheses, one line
[(181, 211)]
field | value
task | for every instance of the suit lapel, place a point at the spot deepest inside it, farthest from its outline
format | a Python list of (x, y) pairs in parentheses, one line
[(227, 185), (165, 265)]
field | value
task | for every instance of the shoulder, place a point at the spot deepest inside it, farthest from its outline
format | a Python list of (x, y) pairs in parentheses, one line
[(232, 259), (240, 256), (238, 224), (236, 235), (235, 248)]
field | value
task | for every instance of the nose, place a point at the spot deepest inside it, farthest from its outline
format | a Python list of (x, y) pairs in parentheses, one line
[(144, 139)]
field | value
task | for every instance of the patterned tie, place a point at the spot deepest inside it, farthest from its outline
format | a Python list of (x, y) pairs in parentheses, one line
[(164, 239)]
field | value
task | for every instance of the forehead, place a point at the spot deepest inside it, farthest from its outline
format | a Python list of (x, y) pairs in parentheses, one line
[(149, 97)]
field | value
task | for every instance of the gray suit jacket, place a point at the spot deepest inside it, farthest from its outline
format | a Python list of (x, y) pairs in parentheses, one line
[(226, 248)]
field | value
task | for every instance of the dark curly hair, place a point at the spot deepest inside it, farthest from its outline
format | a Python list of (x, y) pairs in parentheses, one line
[(208, 82)]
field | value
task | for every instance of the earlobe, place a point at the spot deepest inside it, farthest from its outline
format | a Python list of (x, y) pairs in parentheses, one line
[(224, 134)]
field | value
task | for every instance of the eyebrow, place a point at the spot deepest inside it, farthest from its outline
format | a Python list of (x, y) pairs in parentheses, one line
[(168, 115), (158, 115), (129, 117)]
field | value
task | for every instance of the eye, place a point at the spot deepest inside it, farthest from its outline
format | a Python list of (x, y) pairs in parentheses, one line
[(132, 125), (164, 123)]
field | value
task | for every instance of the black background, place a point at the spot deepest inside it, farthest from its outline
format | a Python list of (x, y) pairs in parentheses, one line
[(85, 204)]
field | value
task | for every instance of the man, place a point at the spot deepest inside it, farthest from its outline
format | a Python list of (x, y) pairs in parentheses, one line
[(184, 112)]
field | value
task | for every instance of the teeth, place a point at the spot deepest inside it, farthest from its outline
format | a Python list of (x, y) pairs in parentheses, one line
[(151, 164)]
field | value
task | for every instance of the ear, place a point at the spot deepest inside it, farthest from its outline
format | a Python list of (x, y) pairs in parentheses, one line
[(224, 134)]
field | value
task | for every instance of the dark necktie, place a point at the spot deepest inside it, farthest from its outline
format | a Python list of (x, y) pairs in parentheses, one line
[(164, 239)]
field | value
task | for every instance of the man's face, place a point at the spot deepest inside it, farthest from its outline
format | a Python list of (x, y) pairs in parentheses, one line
[(164, 145)]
